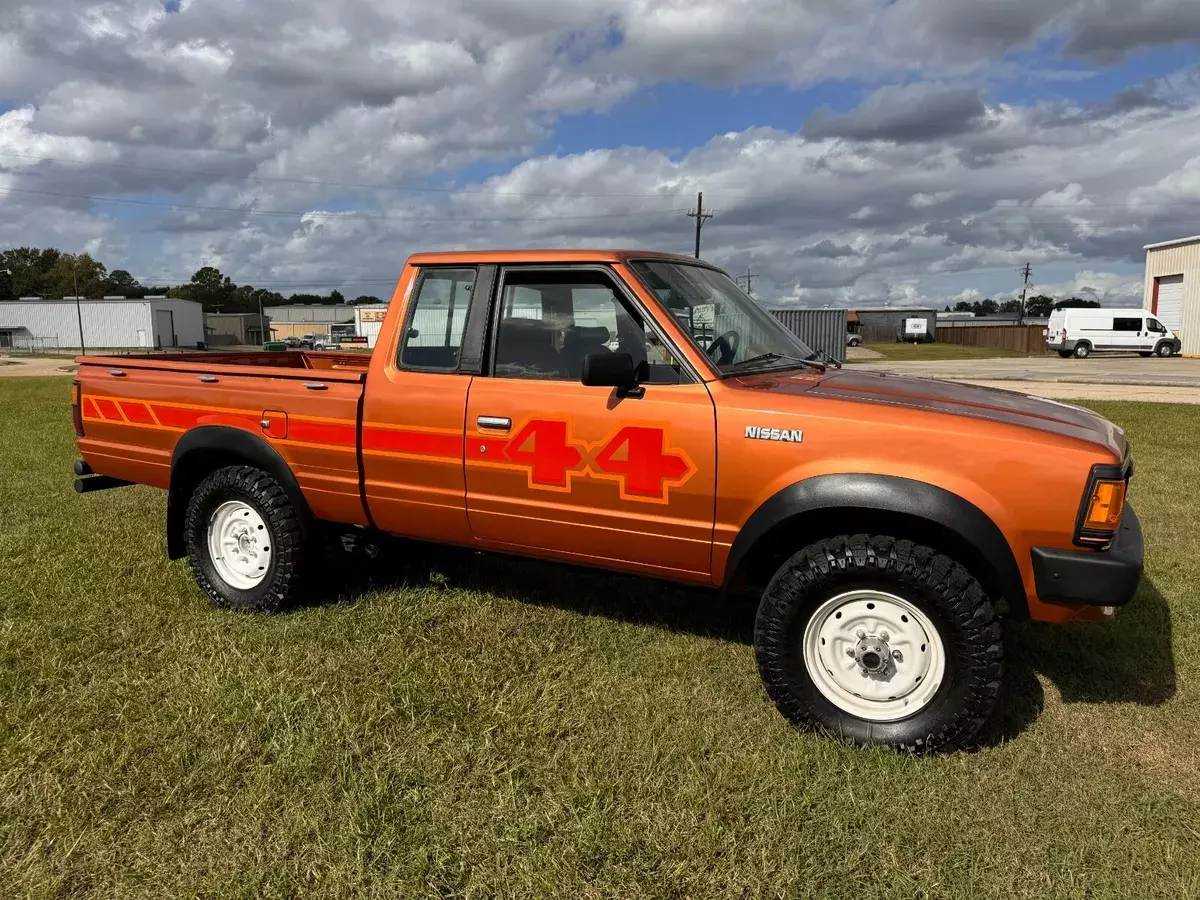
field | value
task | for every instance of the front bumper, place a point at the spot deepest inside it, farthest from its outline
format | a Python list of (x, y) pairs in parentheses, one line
[(1092, 577)]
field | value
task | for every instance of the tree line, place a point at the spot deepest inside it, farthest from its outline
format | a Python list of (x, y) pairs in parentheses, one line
[(51, 273), (1038, 307)]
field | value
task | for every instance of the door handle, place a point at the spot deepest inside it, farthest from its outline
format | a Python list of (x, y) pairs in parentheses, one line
[(500, 423), (315, 385)]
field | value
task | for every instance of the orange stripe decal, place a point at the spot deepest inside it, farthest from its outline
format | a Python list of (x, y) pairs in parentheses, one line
[(109, 410), (137, 413)]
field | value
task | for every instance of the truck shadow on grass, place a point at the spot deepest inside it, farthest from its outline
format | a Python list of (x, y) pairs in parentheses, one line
[(1129, 660)]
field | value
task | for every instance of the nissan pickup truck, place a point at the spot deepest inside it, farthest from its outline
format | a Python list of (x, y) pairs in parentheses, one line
[(638, 412)]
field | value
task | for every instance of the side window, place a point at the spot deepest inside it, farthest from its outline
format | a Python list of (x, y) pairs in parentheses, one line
[(434, 329), (1156, 326), (550, 322), (1127, 324)]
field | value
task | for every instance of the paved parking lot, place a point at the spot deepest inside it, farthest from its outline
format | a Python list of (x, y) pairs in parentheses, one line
[(1104, 370)]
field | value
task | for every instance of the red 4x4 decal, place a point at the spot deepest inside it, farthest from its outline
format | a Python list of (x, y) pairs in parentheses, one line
[(638, 458)]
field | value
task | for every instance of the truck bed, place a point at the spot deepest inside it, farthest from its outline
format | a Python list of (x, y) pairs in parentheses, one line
[(135, 409)]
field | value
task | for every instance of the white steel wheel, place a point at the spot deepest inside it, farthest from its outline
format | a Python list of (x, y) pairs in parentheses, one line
[(874, 655), (239, 544)]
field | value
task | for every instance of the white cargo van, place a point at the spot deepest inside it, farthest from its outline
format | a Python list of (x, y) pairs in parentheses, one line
[(1081, 332)]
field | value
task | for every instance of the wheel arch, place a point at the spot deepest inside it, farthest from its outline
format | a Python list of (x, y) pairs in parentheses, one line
[(827, 505), (204, 450)]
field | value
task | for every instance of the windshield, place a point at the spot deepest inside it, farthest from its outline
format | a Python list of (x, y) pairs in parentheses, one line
[(723, 321)]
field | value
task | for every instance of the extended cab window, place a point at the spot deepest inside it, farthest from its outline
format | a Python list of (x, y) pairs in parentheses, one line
[(437, 315), (550, 321)]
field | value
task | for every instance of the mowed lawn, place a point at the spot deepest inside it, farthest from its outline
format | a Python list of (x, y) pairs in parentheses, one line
[(454, 724), (898, 351)]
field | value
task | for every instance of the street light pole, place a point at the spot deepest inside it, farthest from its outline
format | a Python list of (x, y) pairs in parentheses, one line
[(78, 308)]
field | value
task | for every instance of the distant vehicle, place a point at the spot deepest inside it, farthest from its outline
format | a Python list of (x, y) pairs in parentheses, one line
[(853, 340), (323, 342), (306, 341), (292, 341), (1082, 332)]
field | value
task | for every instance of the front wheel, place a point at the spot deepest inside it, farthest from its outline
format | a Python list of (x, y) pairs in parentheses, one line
[(1164, 350), (881, 641), (244, 540)]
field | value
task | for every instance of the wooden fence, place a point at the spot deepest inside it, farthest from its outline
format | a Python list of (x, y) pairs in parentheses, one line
[(1021, 338)]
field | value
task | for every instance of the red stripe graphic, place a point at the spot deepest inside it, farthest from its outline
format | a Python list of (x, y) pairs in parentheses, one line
[(449, 446), (321, 433), (174, 417), (89, 408), (137, 412), (487, 449), (109, 410)]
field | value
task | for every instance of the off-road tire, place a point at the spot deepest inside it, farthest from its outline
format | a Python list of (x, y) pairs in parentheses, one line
[(1164, 349), (940, 587), (1083, 351), (279, 588)]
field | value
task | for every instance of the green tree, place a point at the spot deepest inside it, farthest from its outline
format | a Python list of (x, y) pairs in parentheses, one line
[(121, 282), (987, 307), (1077, 303), (212, 289), (1039, 307), (1010, 306), (335, 296), (31, 271), (363, 299), (963, 306), (78, 271)]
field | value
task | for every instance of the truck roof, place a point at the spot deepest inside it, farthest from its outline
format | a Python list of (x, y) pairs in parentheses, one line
[(578, 255)]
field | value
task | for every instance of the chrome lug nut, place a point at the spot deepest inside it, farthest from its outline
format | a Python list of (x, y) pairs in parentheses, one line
[(897, 655), (860, 634)]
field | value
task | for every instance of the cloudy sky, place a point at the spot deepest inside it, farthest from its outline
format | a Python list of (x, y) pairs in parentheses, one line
[(853, 151)]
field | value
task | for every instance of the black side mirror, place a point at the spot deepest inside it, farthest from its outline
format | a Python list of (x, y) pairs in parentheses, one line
[(611, 370)]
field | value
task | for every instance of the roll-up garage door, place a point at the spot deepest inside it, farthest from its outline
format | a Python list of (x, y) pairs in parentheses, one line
[(1170, 301)]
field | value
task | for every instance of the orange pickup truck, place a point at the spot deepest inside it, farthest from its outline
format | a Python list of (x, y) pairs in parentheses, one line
[(638, 412)]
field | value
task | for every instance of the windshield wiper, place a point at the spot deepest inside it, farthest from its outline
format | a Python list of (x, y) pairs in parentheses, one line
[(770, 357)]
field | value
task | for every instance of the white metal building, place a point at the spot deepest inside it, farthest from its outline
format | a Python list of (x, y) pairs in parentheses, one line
[(368, 320), (114, 323), (1173, 288), (299, 319)]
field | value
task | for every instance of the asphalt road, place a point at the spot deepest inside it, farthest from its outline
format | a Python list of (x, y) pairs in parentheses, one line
[(1098, 370)]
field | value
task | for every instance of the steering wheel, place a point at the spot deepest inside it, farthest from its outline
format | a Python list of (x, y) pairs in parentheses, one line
[(725, 348)]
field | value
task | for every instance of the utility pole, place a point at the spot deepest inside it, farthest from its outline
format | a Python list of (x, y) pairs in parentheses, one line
[(749, 276), (78, 308), (1027, 272), (262, 328), (700, 216)]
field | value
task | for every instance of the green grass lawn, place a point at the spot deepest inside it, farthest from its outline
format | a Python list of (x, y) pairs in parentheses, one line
[(895, 351), (459, 724)]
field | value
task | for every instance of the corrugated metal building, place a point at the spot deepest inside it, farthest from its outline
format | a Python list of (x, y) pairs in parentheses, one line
[(368, 320), (299, 319), (886, 323), (227, 329), (113, 323), (821, 329), (1173, 288)]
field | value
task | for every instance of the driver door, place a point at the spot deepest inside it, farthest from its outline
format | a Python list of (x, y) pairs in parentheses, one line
[(560, 469)]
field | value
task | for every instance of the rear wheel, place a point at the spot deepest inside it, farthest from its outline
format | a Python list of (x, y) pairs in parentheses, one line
[(881, 641), (1164, 349), (244, 540), (1082, 351)]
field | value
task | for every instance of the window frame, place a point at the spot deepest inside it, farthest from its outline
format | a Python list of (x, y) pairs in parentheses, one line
[(467, 362), (687, 372), (1140, 322)]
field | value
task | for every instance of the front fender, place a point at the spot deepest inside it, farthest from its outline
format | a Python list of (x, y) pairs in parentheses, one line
[(836, 495)]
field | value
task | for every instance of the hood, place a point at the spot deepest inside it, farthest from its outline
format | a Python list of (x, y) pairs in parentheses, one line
[(952, 398)]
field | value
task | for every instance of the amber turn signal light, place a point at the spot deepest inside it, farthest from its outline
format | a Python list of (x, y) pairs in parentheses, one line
[(1105, 506)]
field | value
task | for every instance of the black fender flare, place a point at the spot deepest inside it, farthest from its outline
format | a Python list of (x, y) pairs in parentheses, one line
[(846, 498), (207, 448)]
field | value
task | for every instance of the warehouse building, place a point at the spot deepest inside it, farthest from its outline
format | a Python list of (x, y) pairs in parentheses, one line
[(1172, 290), (822, 329), (231, 329), (368, 320), (298, 319), (114, 323)]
